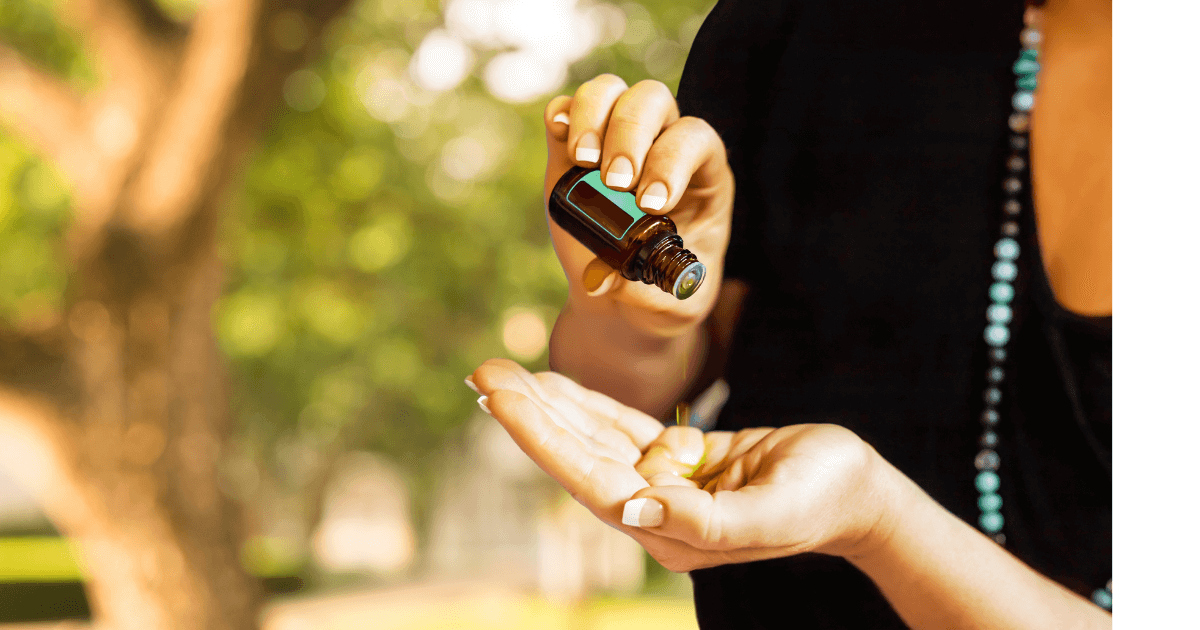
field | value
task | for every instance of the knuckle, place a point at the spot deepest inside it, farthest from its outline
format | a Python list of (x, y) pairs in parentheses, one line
[(691, 122), (602, 83), (609, 79), (651, 86), (699, 127)]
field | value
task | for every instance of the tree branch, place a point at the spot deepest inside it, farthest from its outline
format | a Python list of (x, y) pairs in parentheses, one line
[(35, 363), (180, 159), (231, 78), (130, 37), (39, 107)]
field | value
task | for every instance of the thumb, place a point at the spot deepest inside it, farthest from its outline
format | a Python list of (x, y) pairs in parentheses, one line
[(598, 277), (724, 520)]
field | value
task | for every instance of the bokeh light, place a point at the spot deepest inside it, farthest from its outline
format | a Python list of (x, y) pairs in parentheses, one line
[(441, 62), (524, 334), (384, 237), (304, 90)]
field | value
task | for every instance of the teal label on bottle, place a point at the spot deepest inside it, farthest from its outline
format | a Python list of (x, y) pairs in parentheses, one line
[(613, 211)]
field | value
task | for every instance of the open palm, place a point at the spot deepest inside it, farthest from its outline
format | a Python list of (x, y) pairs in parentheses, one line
[(758, 493)]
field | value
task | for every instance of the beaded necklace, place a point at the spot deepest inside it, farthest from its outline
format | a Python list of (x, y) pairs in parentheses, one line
[(1004, 273)]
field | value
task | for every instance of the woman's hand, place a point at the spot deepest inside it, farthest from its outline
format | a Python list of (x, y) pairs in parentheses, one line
[(674, 165), (757, 493), (767, 493)]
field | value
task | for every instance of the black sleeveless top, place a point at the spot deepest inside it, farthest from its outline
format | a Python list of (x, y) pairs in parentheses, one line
[(868, 143)]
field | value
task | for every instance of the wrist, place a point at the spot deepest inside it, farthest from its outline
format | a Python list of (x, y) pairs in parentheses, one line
[(893, 498), (645, 371)]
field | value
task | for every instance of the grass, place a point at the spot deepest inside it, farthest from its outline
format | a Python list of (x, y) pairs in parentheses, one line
[(38, 559)]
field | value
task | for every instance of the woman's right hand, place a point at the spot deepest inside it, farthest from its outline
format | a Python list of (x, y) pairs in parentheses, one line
[(751, 495), (673, 165)]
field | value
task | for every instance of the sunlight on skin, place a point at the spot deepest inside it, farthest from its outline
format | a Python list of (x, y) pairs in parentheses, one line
[(662, 456)]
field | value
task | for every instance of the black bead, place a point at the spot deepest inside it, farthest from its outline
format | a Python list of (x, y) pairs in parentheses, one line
[(995, 375)]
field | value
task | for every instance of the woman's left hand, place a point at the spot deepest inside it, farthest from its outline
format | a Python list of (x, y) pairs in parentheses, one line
[(758, 494)]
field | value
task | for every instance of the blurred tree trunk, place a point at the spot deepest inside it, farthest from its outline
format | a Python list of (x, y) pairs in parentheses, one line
[(127, 387)]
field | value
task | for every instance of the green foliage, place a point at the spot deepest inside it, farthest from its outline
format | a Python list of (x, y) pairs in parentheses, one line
[(370, 263), (34, 208), (368, 277), (32, 27)]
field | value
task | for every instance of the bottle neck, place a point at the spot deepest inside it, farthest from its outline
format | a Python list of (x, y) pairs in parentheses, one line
[(670, 267)]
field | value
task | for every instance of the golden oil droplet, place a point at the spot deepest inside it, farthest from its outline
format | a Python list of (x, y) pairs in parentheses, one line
[(683, 414)]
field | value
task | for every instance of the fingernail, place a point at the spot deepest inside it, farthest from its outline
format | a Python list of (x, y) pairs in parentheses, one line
[(595, 274), (620, 173), (483, 405), (655, 196), (588, 149), (561, 118), (470, 383), (645, 512)]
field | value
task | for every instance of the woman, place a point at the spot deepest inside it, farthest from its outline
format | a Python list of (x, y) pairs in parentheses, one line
[(850, 272)]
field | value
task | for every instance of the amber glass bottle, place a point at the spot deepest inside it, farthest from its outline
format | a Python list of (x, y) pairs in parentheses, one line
[(642, 247)]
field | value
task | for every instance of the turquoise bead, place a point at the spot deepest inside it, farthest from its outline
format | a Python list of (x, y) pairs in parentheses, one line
[(1022, 101), (1007, 249), (1001, 292), (996, 335), (991, 522), (1026, 66), (992, 395), (1029, 53), (1004, 271), (999, 314), (1027, 82), (990, 502), (1102, 598), (987, 481)]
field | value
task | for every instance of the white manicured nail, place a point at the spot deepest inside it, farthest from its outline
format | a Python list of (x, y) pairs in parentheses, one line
[(618, 180), (653, 202), (654, 197), (587, 155), (561, 118), (644, 512), (620, 173), (483, 405), (470, 383)]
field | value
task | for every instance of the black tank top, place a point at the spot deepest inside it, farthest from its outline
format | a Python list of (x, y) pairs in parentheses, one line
[(868, 143)]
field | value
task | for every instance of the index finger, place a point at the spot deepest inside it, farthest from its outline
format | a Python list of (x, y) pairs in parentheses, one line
[(640, 427), (600, 483)]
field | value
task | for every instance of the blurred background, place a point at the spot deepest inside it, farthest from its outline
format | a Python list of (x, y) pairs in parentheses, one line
[(248, 251)]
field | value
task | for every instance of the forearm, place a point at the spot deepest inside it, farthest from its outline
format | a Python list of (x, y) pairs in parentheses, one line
[(594, 344), (939, 572)]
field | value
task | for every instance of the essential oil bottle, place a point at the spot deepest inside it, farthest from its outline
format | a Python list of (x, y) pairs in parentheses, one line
[(642, 247)]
